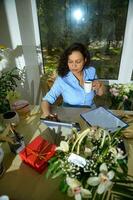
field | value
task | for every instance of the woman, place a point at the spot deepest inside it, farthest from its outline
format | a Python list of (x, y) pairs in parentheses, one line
[(73, 71)]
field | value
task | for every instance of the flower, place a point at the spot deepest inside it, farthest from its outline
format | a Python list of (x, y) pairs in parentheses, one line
[(103, 179), (118, 153), (89, 163), (73, 183), (76, 190), (121, 95), (63, 146)]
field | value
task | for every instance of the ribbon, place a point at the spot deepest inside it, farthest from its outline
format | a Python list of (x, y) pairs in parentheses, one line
[(40, 155)]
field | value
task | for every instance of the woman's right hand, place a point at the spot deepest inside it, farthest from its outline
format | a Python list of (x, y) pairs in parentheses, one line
[(52, 117), (99, 87)]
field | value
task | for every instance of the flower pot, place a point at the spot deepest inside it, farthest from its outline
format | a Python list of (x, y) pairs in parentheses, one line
[(22, 107), (11, 117)]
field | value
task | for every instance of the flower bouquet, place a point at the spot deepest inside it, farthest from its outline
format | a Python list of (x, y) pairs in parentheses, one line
[(90, 164), (121, 96)]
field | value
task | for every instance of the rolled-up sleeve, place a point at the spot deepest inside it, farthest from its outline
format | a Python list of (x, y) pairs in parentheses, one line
[(54, 92), (91, 73)]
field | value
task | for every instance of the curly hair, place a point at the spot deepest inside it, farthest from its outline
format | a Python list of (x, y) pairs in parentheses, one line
[(63, 68)]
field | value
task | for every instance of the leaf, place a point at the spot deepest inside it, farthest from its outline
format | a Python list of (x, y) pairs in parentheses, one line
[(116, 134), (121, 176), (53, 159), (124, 191), (63, 186), (60, 172), (51, 168), (123, 165)]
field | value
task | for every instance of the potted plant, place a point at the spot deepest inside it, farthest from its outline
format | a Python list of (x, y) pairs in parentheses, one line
[(8, 83), (8, 79)]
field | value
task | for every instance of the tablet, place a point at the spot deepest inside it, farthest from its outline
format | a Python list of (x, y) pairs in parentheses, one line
[(103, 118)]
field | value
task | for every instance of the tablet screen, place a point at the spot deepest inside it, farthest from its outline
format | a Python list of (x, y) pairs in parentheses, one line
[(104, 119)]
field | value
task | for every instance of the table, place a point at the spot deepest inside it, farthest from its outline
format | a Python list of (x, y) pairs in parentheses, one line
[(20, 181)]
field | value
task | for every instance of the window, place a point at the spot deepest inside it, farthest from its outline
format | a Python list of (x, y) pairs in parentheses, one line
[(98, 24)]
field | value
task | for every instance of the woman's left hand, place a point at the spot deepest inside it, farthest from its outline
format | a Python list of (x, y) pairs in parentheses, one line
[(98, 86)]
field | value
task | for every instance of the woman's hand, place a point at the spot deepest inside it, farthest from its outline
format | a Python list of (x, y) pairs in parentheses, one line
[(52, 117), (98, 87)]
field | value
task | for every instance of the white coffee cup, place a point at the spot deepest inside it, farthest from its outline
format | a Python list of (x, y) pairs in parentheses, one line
[(88, 86)]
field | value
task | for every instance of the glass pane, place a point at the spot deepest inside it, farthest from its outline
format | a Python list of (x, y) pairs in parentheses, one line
[(99, 24)]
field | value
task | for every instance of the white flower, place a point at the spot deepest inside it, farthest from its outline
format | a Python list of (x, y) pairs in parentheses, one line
[(75, 193), (70, 192), (114, 91), (72, 182), (103, 180), (75, 189), (113, 151), (97, 135), (91, 133), (125, 97), (121, 90), (63, 146), (87, 151), (118, 154), (85, 193)]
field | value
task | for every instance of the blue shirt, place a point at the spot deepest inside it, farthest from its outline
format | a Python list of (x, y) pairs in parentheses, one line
[(70, 89)]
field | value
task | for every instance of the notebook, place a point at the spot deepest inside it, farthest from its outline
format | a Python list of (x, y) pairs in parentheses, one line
[(103, 118)]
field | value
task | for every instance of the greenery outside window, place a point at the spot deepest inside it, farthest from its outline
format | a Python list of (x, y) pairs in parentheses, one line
[(99, 24)]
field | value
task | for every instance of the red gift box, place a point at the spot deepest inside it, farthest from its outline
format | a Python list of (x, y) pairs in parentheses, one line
[(37, 153)]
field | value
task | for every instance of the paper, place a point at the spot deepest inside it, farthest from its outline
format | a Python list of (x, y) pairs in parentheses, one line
[(77, 160)]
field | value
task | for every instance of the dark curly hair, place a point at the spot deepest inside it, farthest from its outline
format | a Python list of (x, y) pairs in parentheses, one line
[(63, 68)]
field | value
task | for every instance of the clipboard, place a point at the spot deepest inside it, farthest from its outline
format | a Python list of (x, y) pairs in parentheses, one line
[(103, 118)]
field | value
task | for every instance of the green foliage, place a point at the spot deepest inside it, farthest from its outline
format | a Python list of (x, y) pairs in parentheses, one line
[(101, 29), (8, 82)]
